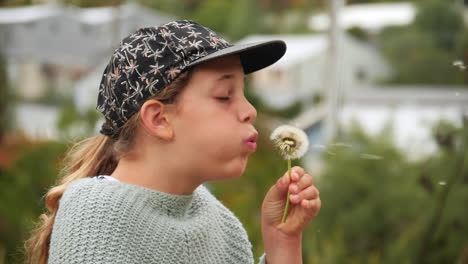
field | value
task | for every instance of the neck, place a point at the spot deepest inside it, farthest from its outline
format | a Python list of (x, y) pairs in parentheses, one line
[(157, 175)]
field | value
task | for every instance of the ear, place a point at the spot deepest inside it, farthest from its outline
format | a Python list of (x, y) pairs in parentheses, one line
[(155, 120)]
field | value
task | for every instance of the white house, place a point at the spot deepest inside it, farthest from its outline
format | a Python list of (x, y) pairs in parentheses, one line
[(412, 111), (53, 46), (301, 73)]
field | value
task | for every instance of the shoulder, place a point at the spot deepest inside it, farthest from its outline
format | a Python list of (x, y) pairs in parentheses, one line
[(227, 221), (93, 203), (95, 186)]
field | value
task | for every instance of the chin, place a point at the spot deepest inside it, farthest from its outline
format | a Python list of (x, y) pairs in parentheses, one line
[(233, 172), (241, 170), (231, 175)]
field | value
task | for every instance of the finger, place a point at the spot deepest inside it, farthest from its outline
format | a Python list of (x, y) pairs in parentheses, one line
[(296, 173), (304, 182), (308, 193), (315, 204), (283, 183)]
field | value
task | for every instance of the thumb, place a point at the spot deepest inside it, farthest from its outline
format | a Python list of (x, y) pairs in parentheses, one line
[(280, 189)]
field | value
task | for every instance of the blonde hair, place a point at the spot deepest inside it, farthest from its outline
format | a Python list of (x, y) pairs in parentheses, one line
[(93, 156)]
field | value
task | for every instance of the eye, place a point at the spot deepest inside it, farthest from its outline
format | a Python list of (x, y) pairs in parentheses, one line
[(223, 98)]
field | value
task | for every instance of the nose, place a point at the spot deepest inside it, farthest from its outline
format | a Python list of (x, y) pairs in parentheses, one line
[(248, 113)]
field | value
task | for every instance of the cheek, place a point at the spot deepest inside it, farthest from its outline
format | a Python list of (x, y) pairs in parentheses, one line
[(212, 144), (208, 120)]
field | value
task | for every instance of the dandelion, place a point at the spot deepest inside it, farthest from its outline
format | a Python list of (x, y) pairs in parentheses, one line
[(292, 143)]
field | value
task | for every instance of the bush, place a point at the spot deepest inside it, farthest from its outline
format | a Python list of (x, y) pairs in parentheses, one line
[(23, 183)]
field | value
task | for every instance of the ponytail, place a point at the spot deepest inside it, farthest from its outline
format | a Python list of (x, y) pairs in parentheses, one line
[(90, 157)]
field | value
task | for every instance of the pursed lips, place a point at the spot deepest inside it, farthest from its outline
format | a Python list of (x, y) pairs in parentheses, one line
[(251, 142)]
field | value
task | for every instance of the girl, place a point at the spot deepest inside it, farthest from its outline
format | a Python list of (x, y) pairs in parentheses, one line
[(175, 118)]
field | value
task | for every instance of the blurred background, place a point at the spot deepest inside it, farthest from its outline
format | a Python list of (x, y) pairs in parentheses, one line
[(380, 88)]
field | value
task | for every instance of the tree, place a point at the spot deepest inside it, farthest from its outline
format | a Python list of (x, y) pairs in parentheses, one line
[(462, 53), (381, 208), (5, 99), (423, 63), (213, 13), (442, 20), (23, 183), (428, 45)]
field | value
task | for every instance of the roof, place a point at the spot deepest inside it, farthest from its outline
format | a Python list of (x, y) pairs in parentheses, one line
[(372, 17), (410, 94), (299, 47), (54, 34), (25, 14)]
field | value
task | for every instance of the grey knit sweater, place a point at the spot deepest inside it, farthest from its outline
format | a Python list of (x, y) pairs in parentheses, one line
[(115, 222)]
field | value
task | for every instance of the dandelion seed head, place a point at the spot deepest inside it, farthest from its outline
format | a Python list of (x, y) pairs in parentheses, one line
[(291, 142)]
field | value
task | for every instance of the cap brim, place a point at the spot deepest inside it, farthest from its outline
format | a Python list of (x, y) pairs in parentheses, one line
[(254, 56)]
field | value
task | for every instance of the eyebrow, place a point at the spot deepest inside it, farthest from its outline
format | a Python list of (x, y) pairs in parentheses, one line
[(226, 77), (229, 76)]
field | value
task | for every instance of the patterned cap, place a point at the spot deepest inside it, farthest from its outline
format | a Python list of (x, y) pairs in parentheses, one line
[(151, 58)]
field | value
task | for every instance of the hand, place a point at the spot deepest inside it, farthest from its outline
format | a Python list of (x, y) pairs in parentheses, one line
[(304, 204), (283, 241)]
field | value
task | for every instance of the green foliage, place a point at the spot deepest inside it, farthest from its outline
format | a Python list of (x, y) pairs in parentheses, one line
[(378, 207), (13, 3), (180, 8), (363, 199), (382, 210), (423, 62), (245, 17), (427, 45), (72, 123), (5, 99), (442, 20), (209, 13), (462, 52), (238, 19), (447, 227), (23, 183), (358, 33), (93, 3)]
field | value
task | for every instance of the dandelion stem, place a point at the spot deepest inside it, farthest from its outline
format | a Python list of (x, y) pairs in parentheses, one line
[(286, 208)]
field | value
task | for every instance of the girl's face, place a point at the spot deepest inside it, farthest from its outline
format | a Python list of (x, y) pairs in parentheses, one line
[(213, 121)]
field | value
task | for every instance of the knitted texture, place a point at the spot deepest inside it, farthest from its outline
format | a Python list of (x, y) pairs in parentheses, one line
[(115, 222)]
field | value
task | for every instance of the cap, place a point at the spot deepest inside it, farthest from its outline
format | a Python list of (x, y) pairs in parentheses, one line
[(151, 58)]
